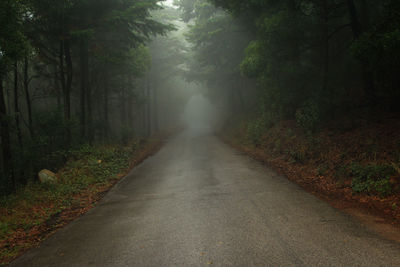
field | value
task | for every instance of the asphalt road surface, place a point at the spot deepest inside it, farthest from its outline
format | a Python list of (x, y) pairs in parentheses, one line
[(199, 202)]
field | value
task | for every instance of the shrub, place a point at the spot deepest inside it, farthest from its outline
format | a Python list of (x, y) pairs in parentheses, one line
[(298, 155), (372, 179), (308, 116), (257, 127), (255, 130)]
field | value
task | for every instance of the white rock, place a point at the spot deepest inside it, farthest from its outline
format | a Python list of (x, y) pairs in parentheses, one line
[(46, 176)]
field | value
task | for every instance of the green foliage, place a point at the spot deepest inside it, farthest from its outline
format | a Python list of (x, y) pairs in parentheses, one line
[(90, 170), (252, 65), (255, 130), (218, 41), (301, 49), (372, 179), (257, 127), (101, 47), (13, 43), (308, 116)]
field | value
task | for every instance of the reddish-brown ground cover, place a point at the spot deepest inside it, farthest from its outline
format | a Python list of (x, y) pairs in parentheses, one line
[(318, 162)]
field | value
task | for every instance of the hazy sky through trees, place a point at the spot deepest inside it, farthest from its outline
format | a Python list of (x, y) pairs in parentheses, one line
[(169, 3)]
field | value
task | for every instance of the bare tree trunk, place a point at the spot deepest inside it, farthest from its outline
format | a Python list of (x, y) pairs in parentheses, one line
[(106, 115), (325, 33), (68, 85), (123, 115), (84, 85), (148, 104), (16, 105), (365, 14), (68, 61), (5, 139), (57, 81), (62, 75), (28, 97), (240, 97), (155, 108), (144, 112), (232, 101), (89, 106), (130, 103), (367, 73)]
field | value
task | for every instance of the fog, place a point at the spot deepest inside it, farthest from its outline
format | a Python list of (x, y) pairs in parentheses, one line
[(200, 115), (135, 69)]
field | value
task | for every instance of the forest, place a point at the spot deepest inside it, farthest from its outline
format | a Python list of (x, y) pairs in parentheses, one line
[(67, 69), (309, 87)]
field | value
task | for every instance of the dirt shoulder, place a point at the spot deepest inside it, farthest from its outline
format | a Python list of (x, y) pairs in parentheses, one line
[(327, 164)]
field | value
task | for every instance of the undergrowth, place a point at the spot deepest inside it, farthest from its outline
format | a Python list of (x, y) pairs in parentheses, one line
[(372, 179), (89, 170), (360, 160)]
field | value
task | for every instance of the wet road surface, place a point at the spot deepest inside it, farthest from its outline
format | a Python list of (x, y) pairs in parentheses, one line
[(198, 202)]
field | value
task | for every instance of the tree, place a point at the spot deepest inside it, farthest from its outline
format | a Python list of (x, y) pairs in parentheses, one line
[(93, 51), (12, 48), (218, 42)]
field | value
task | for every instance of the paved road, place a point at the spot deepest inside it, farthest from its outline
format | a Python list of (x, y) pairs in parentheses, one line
[(200, 203)]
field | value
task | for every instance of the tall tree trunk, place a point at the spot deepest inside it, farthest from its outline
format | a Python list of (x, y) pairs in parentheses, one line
[(295, 44), (326, 52), (16, 105), (365, 14), (57, 81), (65, 90), (5, 139), (155, 108), (130, 104), (240, 96), (89, 107), (106, 115), (143, 110), (232, 101), (122, 107), (367, 73), (84, 85), (130, 111), (62, 75), (354, 21), (68, 62), (68, 85), (148, 105), (28, 97)]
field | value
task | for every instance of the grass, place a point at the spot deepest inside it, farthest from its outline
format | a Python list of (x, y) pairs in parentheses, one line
[(38, 209)]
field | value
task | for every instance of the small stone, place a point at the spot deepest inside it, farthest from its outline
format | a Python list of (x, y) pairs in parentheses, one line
[(46, 176)]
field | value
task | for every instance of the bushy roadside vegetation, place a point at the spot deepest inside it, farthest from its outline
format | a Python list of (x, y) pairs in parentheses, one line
[(357, 160), (35, 210)]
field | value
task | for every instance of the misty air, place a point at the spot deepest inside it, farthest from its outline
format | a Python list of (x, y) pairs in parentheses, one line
[(199, 133)]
